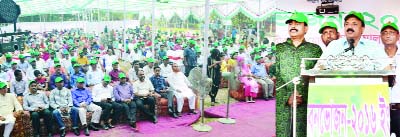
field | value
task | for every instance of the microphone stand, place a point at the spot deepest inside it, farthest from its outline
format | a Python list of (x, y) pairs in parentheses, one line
[(295, 81)]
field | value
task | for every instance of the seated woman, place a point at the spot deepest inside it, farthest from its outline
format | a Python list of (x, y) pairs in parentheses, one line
[(41, 81), (245, 77)]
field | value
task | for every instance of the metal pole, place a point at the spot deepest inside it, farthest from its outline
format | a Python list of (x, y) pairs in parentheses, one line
[(205, 51), (153, 28)]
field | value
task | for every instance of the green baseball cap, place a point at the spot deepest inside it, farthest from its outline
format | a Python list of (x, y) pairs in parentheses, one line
[(257, 58), (107, 78), (77, 65), (81, 52), (263, 46), (13, 63), (115, 62), (165, 58), (150, 60), (198, 50), (8, 55), (121, 75), (2, 85), (57, 65), (93, 62), (36, 53), (73, 60), (21, 56), (358, 15), (242, 47), (80, 80), (390, 24), (298, 17), (327, 25), (32, 60), (58, 79), (56, 60), (225, 48)]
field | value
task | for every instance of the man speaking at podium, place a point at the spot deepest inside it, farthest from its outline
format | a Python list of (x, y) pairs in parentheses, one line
[(353, 43), (287, 66)]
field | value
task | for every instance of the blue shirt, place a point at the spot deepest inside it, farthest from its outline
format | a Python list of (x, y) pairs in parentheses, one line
[(259, 70), (158, 83), (190, 56), (123, 91), (75, 76), (80, 95), (52, 83)]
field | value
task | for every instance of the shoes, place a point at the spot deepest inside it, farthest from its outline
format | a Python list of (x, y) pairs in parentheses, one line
[(87, 131), (212, 103), (92, 127), (105, 127), (192, 111), (172, 114), (62, 133), (266, 99), (109, 125), (76, 132), (133, 124), (154, 118), (179, 114), (271, 97)]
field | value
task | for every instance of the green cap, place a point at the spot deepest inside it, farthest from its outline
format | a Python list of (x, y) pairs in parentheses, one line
[(57, 64), (150, 60), (2, 85), (107, 78), (77, 65), (66, 52), (93, 61), (80, 52), (252, 52), (242, 47), (256, 49), (198, 50), (390, 24), (263, 46), (58, 79), (73, 60), (225, 48), (115, 62), (191, 41), (298, 17), (355, 14), (36, 53), (121, 75), (80, 80), (21, 56), (13, 63), (8, 55), (31, 60), (257, 58), (165, 58), (56, 60), (327, 25)]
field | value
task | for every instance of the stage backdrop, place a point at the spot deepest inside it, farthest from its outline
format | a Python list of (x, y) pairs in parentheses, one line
[(375, 13), (351, 110)]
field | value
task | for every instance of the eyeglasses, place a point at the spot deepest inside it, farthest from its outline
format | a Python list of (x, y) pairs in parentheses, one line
[(390, 33)]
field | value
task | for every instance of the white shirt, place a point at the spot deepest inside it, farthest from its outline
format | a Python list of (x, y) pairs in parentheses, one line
[(148, 72), (395, 90), (100, 92), (132, 74), (49, 63), (31, 75), (66, 63), (165, 70), (94, 77), (143, 88), (40, 64), (108, 61), (178, 80)]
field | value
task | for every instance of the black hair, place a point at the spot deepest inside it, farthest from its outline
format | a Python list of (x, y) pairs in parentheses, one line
[(156, 67), (36, 73), (16, 72), (215, 53), (349, 16)]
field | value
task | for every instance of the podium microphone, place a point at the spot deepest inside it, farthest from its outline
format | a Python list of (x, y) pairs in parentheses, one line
[(351, 43)]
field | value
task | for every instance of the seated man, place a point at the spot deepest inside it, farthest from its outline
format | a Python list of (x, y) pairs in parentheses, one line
[(58, 73), (181, 85), (19, 86), (61, 102), (260, 74), (103, 97), (9, 103), (160, 86), (82, 98), (114, 73), (37, 103), (145, 95), (77, 74), (124, 94), (94, 74)]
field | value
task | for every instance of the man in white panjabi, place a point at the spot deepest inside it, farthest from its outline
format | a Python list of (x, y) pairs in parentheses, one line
[(181, 86), (8, 102)]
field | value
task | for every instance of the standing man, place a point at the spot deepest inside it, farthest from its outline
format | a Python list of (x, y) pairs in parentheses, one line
[(124, 94), (287, 66), (103, 96), (62, 105), (38, 106), (8, 103), (329, 32), (390, 37), (161, 89), (190, 58)]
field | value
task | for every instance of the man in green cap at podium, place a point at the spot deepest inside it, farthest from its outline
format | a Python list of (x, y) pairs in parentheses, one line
[(287, 67)]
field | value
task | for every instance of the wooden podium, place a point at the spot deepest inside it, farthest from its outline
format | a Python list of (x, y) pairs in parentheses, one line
[(348, 103)]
